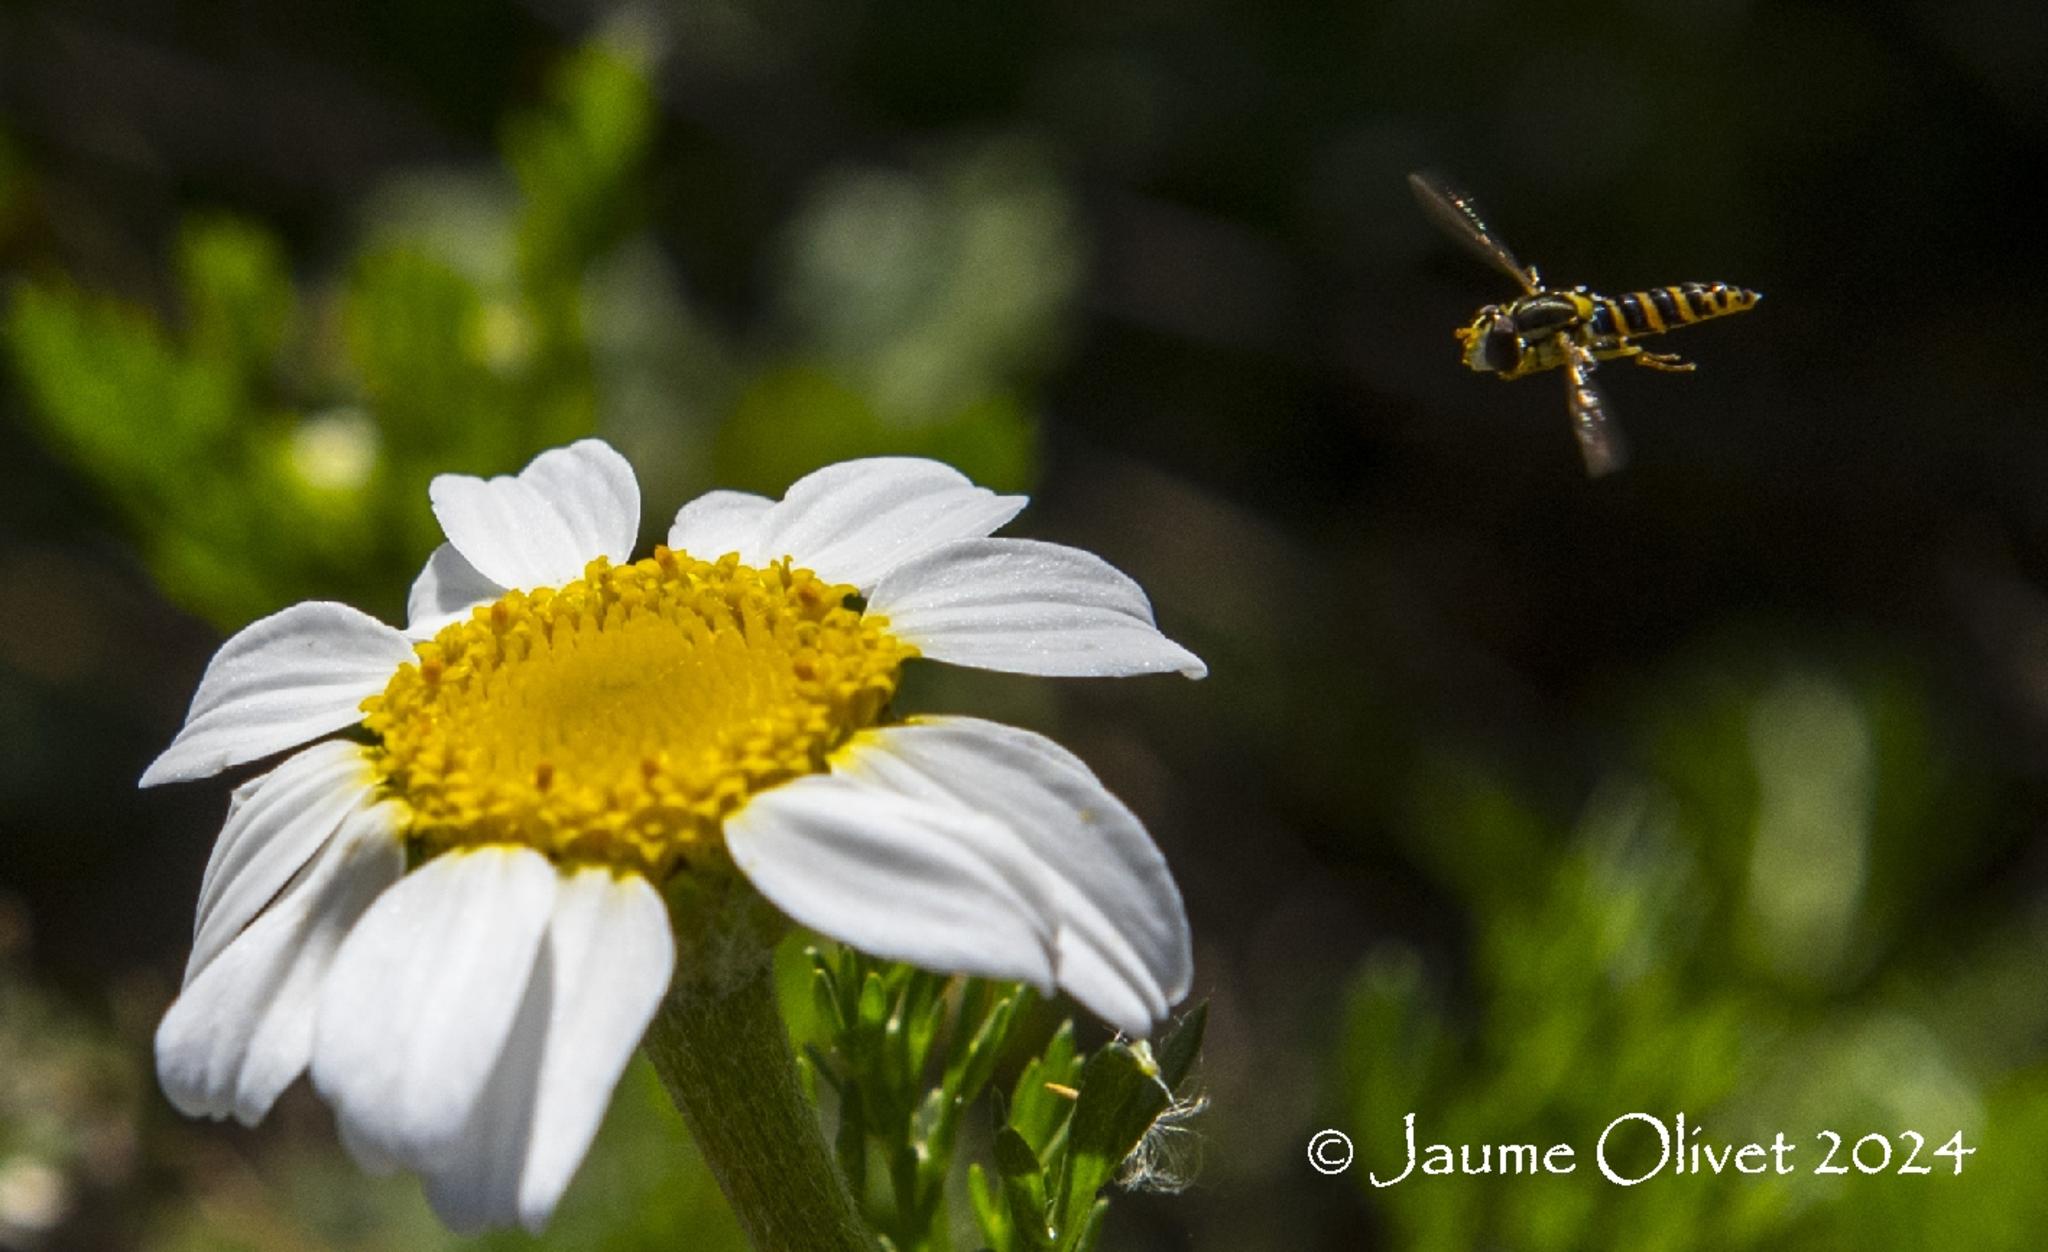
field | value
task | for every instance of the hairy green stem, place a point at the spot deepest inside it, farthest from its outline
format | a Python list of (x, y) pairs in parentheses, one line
[(722, 1051)]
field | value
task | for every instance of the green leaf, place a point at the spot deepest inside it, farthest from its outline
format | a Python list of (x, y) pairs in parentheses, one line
[(925, 1012), (990, 1211), (117, 397), (1014, 1157), (1023, 1189), (1091, 1228), (874, 1003), (825, 996), (849, 979), (903, 1171), (974, 1064), (1036, 1112), (1121, 1096)]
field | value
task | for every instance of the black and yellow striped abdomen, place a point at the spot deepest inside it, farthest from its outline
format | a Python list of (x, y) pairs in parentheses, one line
[(1659, 309)]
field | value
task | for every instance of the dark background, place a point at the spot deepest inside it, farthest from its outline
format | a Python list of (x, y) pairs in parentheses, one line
[(1516, 799)]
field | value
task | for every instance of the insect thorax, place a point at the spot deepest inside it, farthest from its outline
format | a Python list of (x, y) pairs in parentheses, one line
[(1523, 336), (1549, 311)]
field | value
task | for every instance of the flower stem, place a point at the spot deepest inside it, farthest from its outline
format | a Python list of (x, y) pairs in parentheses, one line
[(722, 1051)]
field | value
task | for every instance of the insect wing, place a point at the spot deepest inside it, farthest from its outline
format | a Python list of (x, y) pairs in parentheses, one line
[(1454, 211), (1600, 440)]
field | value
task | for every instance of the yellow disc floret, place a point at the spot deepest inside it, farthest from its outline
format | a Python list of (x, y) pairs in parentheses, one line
[(620, 719)]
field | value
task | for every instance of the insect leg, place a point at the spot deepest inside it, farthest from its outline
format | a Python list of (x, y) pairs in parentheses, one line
[(1668, 362)]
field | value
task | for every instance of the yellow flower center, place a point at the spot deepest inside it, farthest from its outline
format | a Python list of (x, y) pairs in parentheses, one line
[(620, 719)]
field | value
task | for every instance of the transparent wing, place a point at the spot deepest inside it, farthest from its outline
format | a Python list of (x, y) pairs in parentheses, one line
[(1600, 440), (1454, 211)]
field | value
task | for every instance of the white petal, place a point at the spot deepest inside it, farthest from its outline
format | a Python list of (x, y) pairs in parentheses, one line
[(611, 952), (594, 491), (271, 832), (1029, 608), (446, 590), (238, 799), (719, 522), (293, 676), (476, 1185), (420, 1002), (243, 1029), (567, 507), (901, 878), (855, 521), (601, 975), (1122, 946)]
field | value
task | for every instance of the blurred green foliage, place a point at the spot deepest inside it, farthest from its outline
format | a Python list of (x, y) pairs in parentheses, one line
[(274, 442), (1749, 933), (69, 1095), (919, 301)]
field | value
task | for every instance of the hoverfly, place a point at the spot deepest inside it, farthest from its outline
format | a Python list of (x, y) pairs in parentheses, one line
[(1542, 329)]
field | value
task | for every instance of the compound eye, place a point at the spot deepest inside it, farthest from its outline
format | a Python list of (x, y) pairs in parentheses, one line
[(1499, 348)]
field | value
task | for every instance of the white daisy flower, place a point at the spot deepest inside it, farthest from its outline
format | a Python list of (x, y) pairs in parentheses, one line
[(560, 730)]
